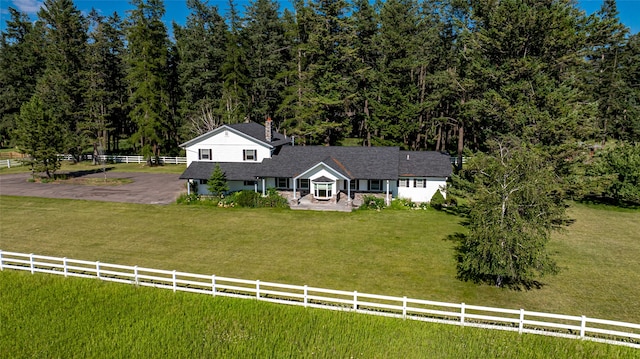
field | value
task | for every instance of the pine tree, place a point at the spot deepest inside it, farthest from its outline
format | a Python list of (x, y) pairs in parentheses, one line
[(40, 136), (217, 183), (200, 46), (21, 64), (62, 86), (234, 102), (147, 76)]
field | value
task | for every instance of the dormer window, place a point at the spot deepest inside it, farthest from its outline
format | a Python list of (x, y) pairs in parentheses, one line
[(249, 155), (204, 154)]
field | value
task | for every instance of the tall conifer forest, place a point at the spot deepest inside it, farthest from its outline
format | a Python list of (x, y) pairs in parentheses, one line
[(448, 75)]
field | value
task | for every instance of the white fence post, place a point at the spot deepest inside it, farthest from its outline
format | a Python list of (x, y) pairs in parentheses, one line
[(1, 267), (521, 324), (583, 326), (135, 274), (31, 262), (98, 269), (8, 163), (258, 289), (462, 314), (306, 295), (213, 285), (355, 300), (64, 265), (404, 307), (174, 280)]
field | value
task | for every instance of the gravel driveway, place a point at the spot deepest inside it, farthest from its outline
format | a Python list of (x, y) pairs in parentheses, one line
[(146, 188)]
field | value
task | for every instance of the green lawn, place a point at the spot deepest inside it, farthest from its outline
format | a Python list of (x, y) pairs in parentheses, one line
[(48, 316), (390, 252)]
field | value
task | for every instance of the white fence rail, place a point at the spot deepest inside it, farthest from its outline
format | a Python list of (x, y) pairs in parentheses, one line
[(10, 163), (521, 321), (128, 159)]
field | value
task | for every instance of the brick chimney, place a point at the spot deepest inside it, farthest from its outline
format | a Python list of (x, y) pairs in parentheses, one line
[(267, 129)]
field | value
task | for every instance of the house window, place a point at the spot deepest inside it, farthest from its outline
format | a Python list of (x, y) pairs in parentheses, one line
[(203, 181), (420, 183), (353, 185), (249, 183), (303, 183), (375, 185), (204, 154), (282, 182), (404, 182), (323, 190), (249, 155)]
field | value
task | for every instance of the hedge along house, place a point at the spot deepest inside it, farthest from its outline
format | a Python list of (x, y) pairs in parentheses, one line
[(254, 157)]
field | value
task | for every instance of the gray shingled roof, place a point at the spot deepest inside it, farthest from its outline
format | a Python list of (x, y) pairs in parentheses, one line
[(234, 171), (251, 129), (257, 131), (351, 162), (424, 164)]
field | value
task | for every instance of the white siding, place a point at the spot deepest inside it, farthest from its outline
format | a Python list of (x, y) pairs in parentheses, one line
[(422, 194), (227, 146)]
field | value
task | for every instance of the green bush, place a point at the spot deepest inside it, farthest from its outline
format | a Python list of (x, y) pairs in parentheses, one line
[(246, 198), (437, 201), (402, 203), (188, 199), (273, 199), (372, 202)]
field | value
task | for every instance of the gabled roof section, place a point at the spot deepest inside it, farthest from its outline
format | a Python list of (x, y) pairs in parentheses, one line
[(234, 171), (424, 164), (352, 162), (324, 164), (251, 130)]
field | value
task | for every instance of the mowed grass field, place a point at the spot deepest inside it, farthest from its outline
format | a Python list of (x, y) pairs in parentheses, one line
[(48, 316), (400, 253)]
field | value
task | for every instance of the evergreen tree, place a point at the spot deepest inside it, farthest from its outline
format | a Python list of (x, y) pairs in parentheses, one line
[(515, 206), (234, 102), (40, 136), (21, 64), (105, 81), (62, 86), (147, 76), (266, 50), (217, 183), (200, 46)]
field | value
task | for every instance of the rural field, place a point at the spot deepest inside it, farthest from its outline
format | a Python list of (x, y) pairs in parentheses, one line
[(393, 252), (51, 316)]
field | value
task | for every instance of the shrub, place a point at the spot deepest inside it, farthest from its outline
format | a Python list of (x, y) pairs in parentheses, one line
[(437, 200), (188, 199), (273, 199), (246, 199), (402, 203), (372, 202)]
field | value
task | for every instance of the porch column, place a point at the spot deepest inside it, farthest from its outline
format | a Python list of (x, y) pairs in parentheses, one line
[(264, 184), (388, 202), (188, 187), (348, 190), (294, 188), (255, 185)]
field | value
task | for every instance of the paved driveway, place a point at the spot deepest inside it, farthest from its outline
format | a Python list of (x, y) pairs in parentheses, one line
[(147, 188)]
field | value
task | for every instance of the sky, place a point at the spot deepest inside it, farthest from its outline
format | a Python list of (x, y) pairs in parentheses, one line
[(177, 11)]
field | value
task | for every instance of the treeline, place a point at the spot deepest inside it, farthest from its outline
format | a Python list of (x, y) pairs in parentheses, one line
[(439, 75)]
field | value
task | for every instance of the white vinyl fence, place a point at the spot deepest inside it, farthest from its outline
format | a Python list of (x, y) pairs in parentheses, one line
[(521, 321), (10, 163), (128, 159)]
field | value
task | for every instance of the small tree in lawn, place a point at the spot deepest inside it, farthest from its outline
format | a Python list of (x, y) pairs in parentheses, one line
[(39, 136), (217, 183), (514, 207)]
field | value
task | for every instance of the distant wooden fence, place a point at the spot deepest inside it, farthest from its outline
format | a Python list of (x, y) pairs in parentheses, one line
[(521, 321)]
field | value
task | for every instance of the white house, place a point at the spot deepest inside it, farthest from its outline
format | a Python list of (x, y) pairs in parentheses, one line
[(254, 157)]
